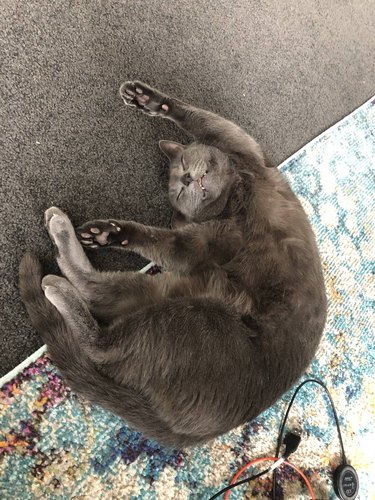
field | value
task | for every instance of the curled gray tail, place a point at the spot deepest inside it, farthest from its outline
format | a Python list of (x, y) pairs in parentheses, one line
[(79, 371)]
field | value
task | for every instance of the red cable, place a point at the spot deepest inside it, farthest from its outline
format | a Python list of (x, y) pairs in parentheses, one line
[(273, 459)]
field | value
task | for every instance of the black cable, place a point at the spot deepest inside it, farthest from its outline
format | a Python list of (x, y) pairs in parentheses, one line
[(293, 444), (243, 481), (282, 428)]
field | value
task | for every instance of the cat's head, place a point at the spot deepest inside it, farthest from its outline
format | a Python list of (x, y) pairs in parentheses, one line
[(200, 179)]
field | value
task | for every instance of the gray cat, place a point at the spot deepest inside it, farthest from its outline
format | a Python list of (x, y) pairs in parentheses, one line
[(231, 324)]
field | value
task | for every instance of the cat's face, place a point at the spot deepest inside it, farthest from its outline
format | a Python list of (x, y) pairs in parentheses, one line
[(200, 179)]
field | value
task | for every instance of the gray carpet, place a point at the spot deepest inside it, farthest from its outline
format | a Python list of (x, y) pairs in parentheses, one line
[(283, 70)]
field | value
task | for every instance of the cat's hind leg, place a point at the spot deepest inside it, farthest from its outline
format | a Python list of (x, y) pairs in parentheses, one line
[(75, 313), (71, 257), (108, 294)]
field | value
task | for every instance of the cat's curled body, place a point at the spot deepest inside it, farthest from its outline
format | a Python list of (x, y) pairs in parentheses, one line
[(231, 323)]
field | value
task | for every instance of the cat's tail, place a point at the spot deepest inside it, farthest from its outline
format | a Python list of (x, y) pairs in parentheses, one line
[(79, 371)]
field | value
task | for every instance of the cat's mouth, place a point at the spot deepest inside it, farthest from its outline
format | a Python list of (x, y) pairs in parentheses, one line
[(200, 182)]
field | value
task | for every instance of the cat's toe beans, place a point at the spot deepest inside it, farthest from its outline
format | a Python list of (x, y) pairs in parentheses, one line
[(165, 107), (86, 242), (128, 93), (102, 238), (85, 235), (129, 99), (95, 230), (127, 87), (143, 99), (115, 226)]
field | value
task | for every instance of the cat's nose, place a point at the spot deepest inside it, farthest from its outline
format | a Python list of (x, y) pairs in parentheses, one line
[(186, 179)]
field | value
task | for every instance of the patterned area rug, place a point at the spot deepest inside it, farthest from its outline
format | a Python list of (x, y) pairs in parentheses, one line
[(54, 445)]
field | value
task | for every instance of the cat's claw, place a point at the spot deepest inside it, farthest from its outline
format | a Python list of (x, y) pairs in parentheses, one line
[(100, 233), (141, 96)]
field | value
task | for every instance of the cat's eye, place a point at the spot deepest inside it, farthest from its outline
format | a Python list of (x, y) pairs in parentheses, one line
[(182, 163)]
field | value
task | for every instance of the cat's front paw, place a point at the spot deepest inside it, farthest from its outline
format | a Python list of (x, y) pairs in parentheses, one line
[(143, 97), (100, 233)]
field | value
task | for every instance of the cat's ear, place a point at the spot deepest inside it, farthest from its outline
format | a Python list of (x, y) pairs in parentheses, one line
[(171, 149)]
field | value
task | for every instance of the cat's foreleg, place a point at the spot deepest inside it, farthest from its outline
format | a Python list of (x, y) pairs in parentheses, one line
[(179, 249), (205, 126)]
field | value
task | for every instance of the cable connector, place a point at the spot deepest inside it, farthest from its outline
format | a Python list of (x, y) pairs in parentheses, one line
[(277, 464), (291, 441)]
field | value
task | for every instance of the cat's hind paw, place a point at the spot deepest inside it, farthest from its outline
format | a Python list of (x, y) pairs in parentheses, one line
[(141, 96), (58, 226)]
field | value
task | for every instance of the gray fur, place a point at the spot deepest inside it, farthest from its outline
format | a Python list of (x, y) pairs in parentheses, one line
[(229, 325)]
